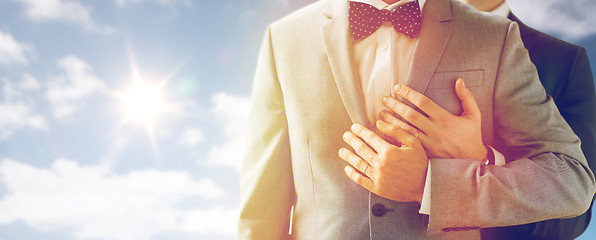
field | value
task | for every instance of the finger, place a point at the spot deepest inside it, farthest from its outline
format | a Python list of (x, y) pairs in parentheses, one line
[(409, 114), (396, 133), (419, 100), (359, 178), (369, 137), (361, 148), (468, 102), (387, 117), (356, 162)]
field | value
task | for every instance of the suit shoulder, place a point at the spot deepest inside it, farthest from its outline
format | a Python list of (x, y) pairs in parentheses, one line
[(301, 17), (550, 43), (477, 21)]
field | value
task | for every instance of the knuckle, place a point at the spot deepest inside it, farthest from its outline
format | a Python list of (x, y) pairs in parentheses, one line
[(358, 178), (357, 164), (360, 147), (449, 123), (355, 176), (366, 135), (411, 115), (406, 91), (413, 141), (350, 158), (384, 157), (410, 139), (394, 128), (423, 102), (393, 104), (394, 120), (358, 129)]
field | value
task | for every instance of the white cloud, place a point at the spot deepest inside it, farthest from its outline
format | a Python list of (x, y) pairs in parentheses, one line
[(571, 19), (67, 92), (233, 113), (162, 2), (69, 11), (18, 115), (28, 82), (12, 51), (95, 203), (191, 137)]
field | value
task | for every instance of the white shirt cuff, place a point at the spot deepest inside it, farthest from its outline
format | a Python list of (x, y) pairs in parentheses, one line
[(499, 157), (425, 204)]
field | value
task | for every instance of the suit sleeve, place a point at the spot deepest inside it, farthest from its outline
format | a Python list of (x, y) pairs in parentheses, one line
[(546, 175), (577, 104), (266, 187)]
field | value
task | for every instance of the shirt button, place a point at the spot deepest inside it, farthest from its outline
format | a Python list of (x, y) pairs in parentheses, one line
[(378, 210), (384, 46)]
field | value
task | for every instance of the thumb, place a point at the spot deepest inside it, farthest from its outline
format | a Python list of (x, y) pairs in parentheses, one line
[(468, 103)]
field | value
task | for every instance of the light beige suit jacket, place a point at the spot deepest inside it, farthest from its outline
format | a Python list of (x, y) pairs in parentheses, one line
[(306, 95)]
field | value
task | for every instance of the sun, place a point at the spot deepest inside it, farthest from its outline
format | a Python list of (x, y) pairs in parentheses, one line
[(143, 102)]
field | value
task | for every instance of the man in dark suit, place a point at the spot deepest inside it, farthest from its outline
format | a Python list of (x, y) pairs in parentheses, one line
[(564, 71)]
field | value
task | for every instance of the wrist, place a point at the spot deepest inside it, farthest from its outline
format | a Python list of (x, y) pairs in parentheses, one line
[(483, 154)]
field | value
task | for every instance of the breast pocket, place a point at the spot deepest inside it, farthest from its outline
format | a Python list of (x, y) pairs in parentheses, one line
[(441, 88)]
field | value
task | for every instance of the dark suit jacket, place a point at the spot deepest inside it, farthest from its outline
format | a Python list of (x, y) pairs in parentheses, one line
[(564, 71)]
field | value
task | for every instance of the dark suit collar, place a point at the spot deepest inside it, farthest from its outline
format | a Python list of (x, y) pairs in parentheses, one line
[(528, 34)]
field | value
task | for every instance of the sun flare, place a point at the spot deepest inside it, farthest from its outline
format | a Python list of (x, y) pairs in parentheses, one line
[(143, 102)]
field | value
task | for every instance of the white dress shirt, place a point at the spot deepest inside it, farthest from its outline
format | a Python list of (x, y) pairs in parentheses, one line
[(502, 10), (383, 60)]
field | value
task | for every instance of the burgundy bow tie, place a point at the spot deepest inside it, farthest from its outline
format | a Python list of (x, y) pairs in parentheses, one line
[(366, 19)]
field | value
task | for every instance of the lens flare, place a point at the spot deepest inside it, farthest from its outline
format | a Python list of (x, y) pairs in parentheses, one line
[(143, 102)]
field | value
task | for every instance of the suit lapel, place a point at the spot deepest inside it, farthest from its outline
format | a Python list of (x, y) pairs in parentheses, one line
[(436, 30), (338, 44)]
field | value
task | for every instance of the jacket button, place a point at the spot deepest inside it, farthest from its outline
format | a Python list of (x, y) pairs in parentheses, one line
[(378, 210)]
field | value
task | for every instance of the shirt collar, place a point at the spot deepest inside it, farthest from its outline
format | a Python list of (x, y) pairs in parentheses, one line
[(502, 10), (379, 4)]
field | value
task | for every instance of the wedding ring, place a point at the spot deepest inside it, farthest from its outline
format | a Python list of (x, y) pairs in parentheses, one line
[(364, 170), (416, 134)]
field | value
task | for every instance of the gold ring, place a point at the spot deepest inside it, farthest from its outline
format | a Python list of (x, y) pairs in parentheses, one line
[(417, 132), (364, 170)]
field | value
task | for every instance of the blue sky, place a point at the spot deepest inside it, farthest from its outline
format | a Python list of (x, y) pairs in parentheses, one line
[(73, 166)]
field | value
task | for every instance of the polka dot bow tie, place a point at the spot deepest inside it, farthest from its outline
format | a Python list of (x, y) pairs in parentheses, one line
[(366, 19)]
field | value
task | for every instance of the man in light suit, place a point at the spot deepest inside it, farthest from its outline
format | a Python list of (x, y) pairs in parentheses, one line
[(308, 92), (565, 73)]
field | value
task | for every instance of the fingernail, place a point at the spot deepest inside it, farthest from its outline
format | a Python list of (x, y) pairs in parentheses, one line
[(398, 87), (385, 99), (354, 126), (462, 82), (345, 136), (341, 152)]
